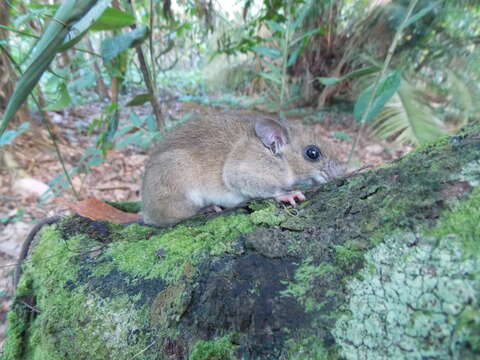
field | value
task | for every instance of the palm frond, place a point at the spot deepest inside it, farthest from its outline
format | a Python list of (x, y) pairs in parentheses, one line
[(407, 119), (462, 95)]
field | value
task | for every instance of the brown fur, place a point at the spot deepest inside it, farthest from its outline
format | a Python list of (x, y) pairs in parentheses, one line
[(221, 161)]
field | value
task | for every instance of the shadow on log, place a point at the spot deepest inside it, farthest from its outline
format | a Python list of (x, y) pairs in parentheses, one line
[(380, 265)]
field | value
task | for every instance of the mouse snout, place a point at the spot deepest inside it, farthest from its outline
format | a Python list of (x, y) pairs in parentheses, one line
[(334, 169), (330, 170)]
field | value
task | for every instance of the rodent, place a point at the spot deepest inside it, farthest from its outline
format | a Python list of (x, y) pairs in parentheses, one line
[(221, 162)]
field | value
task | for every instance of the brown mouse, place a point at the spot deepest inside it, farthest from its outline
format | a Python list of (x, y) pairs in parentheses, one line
[(222, 162)]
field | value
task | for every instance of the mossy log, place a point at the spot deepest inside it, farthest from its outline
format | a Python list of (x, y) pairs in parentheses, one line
[(380, 265)]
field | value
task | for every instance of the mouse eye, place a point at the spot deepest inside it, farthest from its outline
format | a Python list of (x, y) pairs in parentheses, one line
[(312, 153)]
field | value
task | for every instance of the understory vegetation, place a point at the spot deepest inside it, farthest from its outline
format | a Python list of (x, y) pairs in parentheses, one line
[(413, 64)]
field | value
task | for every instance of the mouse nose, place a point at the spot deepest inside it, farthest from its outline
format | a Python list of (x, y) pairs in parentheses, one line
[(331, 169), (335, 169)]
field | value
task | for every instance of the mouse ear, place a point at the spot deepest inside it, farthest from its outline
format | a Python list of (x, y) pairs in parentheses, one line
[(272, 134)]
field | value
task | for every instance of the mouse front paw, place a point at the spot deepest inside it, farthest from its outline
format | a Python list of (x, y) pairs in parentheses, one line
[(290, 197)]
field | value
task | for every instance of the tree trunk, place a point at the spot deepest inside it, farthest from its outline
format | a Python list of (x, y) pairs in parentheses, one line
[(383, 264)]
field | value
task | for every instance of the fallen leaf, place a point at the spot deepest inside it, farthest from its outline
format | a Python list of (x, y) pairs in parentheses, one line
[(98, 210)]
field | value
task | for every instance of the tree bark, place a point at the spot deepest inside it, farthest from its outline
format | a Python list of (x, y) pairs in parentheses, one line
[(383, 264)]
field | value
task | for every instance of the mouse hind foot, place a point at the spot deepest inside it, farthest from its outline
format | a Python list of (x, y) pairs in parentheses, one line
[(169, 211)]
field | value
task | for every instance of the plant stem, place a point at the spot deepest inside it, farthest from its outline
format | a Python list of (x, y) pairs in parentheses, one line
[(381, 76), (286, 42), (148, 80)]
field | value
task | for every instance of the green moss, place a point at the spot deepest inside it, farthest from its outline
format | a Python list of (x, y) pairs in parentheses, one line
[(127, 206), (59, 254), (268, 214), (17, 325), (463, 220), (218, 349), (165, 255), (348, 255), (303, 286), (70, 313)]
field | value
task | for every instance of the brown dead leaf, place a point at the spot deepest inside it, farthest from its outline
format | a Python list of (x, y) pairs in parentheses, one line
[(98, 210)]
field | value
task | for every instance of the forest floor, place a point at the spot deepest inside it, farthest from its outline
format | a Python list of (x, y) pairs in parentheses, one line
[(118, 178)]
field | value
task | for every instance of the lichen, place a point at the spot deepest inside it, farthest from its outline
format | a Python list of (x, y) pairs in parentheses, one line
[(470, 173), (409, 306)]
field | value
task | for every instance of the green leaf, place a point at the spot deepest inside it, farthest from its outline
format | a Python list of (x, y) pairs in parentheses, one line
[(140, 99), (95, 161), (273, 69), (136, 120), (462, 96), (151, 123), (112, 47), (407, 119), (23, 33), (42, 6), (123, 131), (271, 77), (136, 137), (84, 24), (64, 100), (267, 52), (294, 56), (386, 88), (85, 81), (308, 34), (112, 19), (275, 27), (43, 53), (420, 14), (328, 81), (88, 20), (8, 136), (301, 15)]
